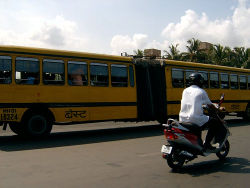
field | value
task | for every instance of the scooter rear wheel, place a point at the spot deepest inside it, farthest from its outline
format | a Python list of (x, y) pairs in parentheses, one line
[(175, 161), (222, 154)]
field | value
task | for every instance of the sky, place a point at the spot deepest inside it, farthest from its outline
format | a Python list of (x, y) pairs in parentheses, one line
[(115, 26)]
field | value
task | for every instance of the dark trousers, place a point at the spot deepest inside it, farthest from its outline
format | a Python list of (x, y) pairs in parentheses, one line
[(213, 126)]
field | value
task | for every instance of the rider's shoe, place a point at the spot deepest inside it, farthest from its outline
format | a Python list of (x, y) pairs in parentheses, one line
[(216, 145), (209, 147)]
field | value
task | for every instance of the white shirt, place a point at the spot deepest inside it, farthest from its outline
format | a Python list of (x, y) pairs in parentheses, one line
[(192, 100)]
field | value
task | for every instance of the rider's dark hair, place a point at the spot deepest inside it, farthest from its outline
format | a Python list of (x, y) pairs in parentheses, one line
[(196, 79)]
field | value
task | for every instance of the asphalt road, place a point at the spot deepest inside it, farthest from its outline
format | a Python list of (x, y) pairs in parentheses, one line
[(116, 155)]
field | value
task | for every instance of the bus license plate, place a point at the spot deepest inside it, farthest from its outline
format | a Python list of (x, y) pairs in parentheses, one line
[(166, 149)]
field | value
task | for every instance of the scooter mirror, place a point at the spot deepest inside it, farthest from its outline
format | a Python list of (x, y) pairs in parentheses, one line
[(221, 98)]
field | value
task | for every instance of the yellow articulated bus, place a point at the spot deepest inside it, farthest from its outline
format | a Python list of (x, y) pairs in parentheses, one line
[(42, 87), (160, 84), (233, 82)]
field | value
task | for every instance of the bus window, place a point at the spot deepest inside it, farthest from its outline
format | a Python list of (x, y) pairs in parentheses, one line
[(243, 82), (53, 72), (5, 70), (27, 71), (187, 73), (77, 73), (234, 81), (178, 78), (205, 76), (131, 76), (248, 82), (119, 76), (99, 74), (214, 80), (224, 81)]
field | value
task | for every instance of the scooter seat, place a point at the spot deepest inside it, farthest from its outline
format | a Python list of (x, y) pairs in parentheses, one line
[(192, 127)]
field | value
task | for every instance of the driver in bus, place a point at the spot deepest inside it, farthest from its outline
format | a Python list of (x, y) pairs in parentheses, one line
[(191, 111)]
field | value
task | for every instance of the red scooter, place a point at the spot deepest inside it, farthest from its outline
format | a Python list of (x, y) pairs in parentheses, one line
[(185, 142)]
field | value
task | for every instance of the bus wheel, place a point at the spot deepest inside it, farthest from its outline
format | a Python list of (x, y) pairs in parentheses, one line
[(247, 113), (37, 125), (16, 128)]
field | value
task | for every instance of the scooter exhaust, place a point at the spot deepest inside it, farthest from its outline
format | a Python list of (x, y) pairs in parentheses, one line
[(188, 155)]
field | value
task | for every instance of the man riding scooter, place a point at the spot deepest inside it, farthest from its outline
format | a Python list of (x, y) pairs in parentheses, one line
[(193, 98)]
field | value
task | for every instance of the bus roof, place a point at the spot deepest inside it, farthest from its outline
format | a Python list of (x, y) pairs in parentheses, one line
[(94, 56), (61, 53), (205, 66)]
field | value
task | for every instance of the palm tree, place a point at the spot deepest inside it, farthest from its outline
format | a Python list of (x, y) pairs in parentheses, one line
[(173, 52), (246, 64), (229, 56), (138, 53), (193, 51), (241, 56), (219, 54)]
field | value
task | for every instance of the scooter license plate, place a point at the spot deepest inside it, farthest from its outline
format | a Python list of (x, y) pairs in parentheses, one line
[(166, 149)]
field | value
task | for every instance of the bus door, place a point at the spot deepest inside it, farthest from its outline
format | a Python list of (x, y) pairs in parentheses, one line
[(151, 90)]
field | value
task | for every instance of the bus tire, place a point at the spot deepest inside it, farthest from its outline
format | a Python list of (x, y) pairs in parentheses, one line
[(16, 128), (37, 125), (247, 113)]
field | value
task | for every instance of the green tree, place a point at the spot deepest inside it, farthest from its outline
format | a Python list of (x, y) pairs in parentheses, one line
[(173, 52), (229, 56), (220, 55), (139, 53), (246, 64), (194, 53), (240, 56)]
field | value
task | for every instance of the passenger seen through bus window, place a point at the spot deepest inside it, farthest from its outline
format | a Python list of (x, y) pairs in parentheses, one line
[(99, 74), (76, 78), (77, 74), (53, 72), (27, 71), (5, 70)]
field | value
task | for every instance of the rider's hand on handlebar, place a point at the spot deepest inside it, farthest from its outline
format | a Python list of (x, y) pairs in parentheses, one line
[(216, 107), (212, 106), (222, 109)]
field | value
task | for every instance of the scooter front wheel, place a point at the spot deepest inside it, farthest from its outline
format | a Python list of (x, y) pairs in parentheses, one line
[(175, 160), (222, 154)]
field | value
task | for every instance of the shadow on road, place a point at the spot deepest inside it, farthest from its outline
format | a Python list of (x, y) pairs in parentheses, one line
[(237, 122), (15, 143), (230, 165), (60, 139)]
